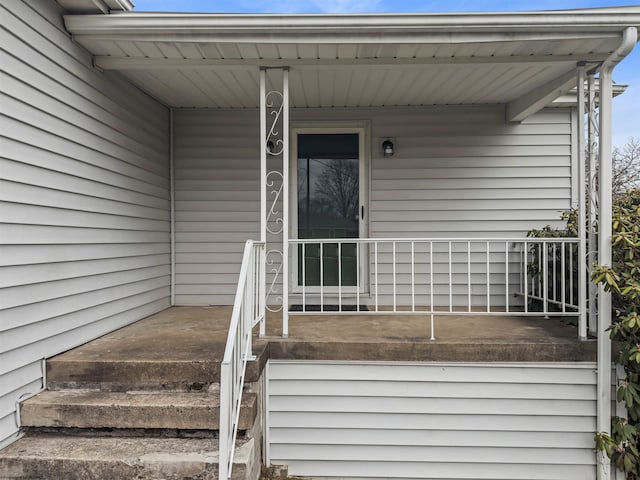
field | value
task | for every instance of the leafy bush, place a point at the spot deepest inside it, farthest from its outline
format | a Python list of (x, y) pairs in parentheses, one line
[(555, 262), (622, 279)]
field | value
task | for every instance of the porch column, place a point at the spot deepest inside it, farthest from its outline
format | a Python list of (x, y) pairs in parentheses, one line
[(604, 258), (629, 39), (592, 145), (274, 191), (582, 210)]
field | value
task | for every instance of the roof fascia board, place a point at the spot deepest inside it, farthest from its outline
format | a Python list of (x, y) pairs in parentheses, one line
[(378, 24), (326, 37), (137, 63)]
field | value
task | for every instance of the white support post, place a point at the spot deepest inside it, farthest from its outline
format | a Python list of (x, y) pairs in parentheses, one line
[(592, 235), (263, 198), (285, 203), (582, 212), (263, 155), (604, 258), (172, 202), (603, 423)]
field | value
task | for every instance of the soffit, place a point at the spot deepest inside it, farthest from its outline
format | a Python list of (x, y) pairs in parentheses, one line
[(95, 6), (215, 63)]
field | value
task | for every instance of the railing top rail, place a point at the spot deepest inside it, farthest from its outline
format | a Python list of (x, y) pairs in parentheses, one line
[(237, 304), (438, 240)]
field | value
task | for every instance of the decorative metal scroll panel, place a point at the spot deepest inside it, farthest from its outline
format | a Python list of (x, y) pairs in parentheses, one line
[(592, 125), (275, 187)]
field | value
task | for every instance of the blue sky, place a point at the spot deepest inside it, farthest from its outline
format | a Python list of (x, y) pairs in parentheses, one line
[(626, 119)]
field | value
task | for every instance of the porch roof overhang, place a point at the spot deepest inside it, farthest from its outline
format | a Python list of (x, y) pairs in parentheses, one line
[(522, 60)]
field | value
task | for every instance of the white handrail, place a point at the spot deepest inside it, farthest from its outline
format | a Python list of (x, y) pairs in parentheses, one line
[(248, 311), (435, 240)]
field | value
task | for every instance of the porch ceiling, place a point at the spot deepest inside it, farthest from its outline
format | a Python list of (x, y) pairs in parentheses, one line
[(203, 60)]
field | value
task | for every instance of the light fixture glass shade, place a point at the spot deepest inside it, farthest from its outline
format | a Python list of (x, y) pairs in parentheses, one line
[(387, 148)]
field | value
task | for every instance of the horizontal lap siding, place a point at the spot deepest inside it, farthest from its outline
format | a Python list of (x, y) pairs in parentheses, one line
[(465, 173), (217, 170), (457, 172), (453, 421), (84, 199)]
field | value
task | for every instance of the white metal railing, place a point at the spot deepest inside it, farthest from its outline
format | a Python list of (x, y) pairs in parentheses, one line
[(248, 311), (435, 276), (552, 275)]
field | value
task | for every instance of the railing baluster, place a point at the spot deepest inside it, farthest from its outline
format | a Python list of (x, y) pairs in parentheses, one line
[(357, 276), (488, 281), (555, 268), (304, 276), (469, 276), (506, 276), (521, 271), (263, 288), (525, 274), (571, 298), (562, 278), (321, 277), (545, 273), (393, 254), (534, 260), (340, 276), (432, 308), (450, 281), (375, 248), (413, 278)]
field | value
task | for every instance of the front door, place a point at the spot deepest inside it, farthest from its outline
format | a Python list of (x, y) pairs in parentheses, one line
[(329, 176)]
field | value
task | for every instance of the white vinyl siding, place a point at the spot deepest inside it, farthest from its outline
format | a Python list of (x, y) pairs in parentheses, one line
[(432, 420), (84, 199), (464, 172), (458, 172), (217, 201)]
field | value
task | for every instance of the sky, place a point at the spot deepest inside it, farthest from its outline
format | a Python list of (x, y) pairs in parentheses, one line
[(626, 108)]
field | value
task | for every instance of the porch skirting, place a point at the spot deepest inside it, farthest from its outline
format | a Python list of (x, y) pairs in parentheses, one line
[(432, 420)]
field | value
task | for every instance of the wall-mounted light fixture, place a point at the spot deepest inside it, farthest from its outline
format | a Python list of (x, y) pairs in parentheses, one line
[(387, 148)]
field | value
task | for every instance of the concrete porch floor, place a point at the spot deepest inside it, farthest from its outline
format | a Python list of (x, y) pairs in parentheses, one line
[(194, 337)]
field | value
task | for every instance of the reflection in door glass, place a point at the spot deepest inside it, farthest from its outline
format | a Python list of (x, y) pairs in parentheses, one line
[(328, 204)]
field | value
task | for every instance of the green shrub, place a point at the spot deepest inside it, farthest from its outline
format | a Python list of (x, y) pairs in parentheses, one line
[(555, 262), (622, 279)]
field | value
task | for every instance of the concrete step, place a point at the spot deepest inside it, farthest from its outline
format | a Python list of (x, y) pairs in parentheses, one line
[(123, 374), (80, 458), (131, 410), (88, 367)]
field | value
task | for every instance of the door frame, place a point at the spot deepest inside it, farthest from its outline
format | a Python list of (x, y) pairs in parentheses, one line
[(363, 129)]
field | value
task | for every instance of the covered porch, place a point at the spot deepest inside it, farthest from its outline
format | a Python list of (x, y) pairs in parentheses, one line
[(468, 130)]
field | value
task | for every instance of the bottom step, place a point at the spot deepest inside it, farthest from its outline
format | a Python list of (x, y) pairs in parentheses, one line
[(87, 458)]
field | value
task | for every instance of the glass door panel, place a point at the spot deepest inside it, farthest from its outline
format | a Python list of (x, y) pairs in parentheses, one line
[(328, 207)]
